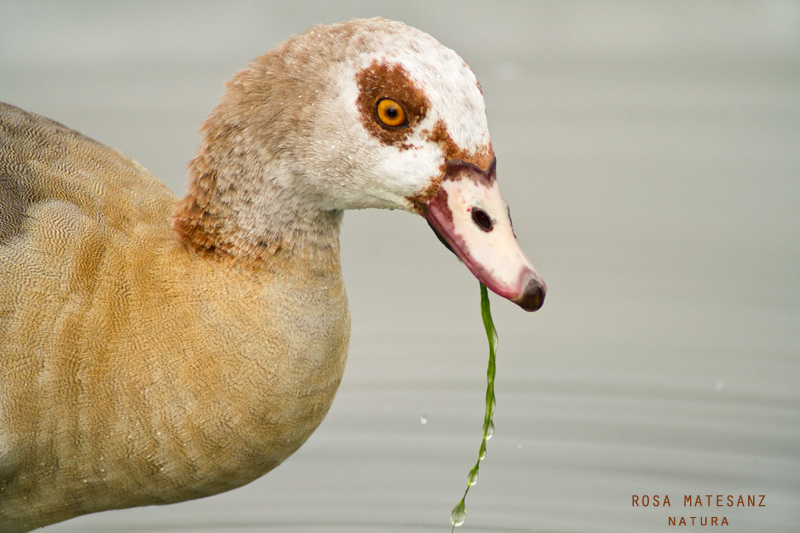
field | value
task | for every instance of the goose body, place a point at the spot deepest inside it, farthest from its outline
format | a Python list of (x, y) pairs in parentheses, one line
[(156, 349)]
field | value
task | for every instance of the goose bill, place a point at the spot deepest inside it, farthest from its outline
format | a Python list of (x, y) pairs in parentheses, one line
[(470, 217)]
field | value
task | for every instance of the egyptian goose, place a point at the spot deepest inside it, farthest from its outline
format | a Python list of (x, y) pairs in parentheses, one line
[(155, 350)]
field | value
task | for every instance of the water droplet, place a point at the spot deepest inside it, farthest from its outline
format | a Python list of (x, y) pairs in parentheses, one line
[(519, 446), (423, 420), (720, 385), (482, 452), (472, 478), (489, 430), (459, 514)]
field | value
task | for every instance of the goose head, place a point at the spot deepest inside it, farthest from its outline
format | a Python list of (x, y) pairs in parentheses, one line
[(362, 114)]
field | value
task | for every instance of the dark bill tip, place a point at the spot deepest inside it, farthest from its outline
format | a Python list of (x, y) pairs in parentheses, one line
[(532, 297)]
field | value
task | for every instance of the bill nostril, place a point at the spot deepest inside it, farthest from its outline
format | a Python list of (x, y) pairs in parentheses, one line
[(482, 219)]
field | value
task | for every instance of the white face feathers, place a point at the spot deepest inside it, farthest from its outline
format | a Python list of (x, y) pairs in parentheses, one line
[(379, 163)]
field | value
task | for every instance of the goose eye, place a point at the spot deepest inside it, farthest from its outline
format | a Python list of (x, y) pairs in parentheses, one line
[(391, 113)]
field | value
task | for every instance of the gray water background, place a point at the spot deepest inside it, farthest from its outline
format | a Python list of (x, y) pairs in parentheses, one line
[(650, 153)]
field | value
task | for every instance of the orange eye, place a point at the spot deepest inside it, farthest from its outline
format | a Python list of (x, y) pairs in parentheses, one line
[(391, 113)]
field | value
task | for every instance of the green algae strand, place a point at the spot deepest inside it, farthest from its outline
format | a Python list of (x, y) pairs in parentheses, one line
[(459, 513)]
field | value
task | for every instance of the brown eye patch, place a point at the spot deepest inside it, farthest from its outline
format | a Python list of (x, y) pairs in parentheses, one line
[(381, 85)]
